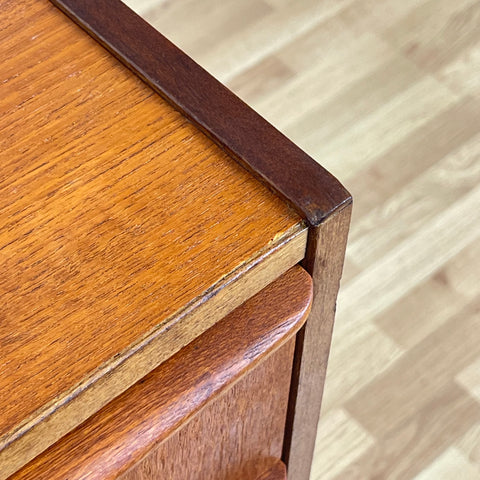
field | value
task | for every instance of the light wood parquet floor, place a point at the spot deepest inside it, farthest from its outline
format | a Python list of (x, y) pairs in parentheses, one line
[(386, 95)]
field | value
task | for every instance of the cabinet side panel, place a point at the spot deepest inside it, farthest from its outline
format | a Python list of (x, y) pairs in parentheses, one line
[(324, 261)]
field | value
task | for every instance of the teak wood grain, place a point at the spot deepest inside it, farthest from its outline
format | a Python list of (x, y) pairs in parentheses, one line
[(167, 399), (124, 231)]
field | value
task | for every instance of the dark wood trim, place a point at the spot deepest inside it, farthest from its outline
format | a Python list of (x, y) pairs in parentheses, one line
[(324, 261), (218, 112)]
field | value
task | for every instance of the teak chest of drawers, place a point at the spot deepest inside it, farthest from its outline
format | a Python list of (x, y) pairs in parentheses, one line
[(153, 321)]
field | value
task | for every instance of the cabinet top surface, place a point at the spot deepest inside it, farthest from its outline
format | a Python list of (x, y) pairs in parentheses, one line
[(116, 212)]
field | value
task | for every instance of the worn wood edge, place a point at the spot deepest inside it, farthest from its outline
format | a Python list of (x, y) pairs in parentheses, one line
[(277, 471), (324, 261), (212, 107), (111, 379), (262, 332)]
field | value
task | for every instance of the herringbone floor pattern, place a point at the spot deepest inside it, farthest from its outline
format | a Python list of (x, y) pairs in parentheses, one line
[(386, 95)]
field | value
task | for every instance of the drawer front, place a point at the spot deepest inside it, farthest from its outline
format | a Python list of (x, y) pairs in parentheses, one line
[(238, 436), (215, 410)]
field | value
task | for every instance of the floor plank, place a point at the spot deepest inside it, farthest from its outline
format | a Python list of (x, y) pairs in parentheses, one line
[(446, 466)]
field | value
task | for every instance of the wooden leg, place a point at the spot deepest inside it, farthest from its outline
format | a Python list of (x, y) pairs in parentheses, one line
[(324, 261)]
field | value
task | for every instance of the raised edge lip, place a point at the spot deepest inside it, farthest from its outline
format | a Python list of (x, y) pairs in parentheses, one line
[(217, 111)]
